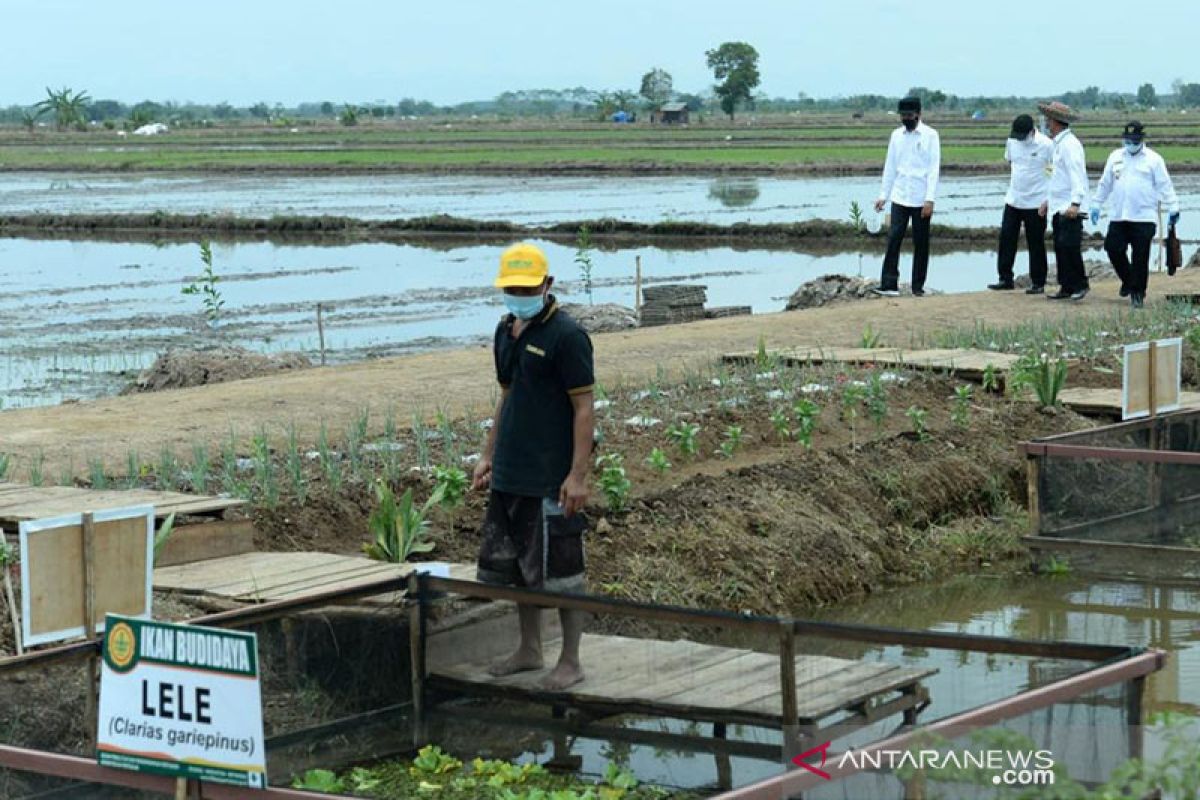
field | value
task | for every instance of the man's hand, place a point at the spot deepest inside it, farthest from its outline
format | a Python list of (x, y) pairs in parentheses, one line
[(482, 477), (927, 210), (1072, 212), (1095, 214), (1173, 219), (1043, 209), (879, 204), (573, 495)]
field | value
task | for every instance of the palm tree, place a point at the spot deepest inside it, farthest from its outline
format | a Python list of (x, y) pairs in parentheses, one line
[(67, 106)]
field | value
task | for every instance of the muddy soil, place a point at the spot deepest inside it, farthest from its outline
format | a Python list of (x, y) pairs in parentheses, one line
[(180, 369)]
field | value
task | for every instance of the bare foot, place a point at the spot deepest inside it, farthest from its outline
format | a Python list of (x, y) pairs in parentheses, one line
[(563, 676), (519, 661)]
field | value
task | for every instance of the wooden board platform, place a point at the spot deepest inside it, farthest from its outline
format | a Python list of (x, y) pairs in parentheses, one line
[(966, 363), (19, 501), (263, 577), (1107, 402), (688, 680)]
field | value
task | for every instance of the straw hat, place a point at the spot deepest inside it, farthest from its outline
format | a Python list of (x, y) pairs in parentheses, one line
[(1058, 111)]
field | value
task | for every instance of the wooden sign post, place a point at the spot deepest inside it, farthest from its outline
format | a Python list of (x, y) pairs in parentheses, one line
[(1151, 380)]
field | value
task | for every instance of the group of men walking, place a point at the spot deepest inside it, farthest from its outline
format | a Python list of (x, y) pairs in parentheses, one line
[(1048, 185)]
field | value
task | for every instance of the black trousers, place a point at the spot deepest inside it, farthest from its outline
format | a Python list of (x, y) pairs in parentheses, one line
[(891, 262), (1121, 236), (1068, 253), (1035, 240)]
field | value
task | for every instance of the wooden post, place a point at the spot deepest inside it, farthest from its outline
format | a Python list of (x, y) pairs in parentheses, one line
[(13, 613), (181, 789), (416, 644), (787, 686), (637, 284), (1161, 244), (1133, 715), (89, 622), (1033, 472), (1155, 436), (321, 332)]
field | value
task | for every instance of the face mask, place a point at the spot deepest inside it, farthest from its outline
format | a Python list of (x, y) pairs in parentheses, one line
[(524, 307), (909, 124), (1133, 148)]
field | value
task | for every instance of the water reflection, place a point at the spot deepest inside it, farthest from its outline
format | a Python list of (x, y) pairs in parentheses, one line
[(734, 192)]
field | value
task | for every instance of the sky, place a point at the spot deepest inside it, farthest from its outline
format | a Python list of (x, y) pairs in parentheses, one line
[(449, 51)]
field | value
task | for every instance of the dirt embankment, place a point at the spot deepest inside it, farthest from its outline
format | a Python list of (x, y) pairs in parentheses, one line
[(816, 234)]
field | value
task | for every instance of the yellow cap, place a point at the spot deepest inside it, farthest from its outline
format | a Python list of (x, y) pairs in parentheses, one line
[(522, 265)]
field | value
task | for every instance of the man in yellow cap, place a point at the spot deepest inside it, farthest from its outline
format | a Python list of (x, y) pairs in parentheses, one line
[(536, 459)]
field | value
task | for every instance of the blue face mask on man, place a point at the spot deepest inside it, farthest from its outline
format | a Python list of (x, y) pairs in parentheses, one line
[(524, 307), (1132, 147)]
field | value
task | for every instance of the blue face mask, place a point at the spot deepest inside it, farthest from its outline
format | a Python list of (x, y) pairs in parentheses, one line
[(1132, 148), (524, 307)]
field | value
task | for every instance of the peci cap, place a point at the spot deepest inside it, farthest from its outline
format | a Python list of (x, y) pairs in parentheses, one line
[(1022, 126), (522, 265), (912, 104), (1134, 131), (1058, 111)]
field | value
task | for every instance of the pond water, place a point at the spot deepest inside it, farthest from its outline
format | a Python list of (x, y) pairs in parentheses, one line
[(975, 201), (77, 316)]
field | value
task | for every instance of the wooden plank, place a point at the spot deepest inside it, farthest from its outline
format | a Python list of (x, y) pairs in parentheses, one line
[(21, 501), (855, 694), (1107, 402), (663, 665), (765, 697), (344, 581), (206, 540)]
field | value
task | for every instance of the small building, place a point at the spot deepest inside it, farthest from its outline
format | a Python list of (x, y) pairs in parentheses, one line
[(672, 114)]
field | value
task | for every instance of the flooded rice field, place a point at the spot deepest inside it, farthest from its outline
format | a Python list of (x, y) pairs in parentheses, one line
[(527, 200), (79, 318)]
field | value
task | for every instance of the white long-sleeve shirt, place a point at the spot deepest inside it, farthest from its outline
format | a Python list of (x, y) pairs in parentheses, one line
[(914, 161), (1068, 180), (1031, 161), (1135, 185)]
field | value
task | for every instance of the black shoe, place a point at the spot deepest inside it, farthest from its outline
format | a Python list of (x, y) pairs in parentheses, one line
[(1079, 294), (1125, 290), (918, 292), (1136, 300), (1036, 290), (1061, 294), (1002, 286)]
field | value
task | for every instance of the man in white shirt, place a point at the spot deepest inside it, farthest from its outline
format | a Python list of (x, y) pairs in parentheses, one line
[(1135, 182), (910, 179), (1065, 196), (1030, 154)]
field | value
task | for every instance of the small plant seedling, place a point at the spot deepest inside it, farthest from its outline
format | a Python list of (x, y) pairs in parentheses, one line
[(852, 397), (614, 484), (918, 417), (857, 218), (806, 420), (452, 483), (206, 287), (657, 461), (763, 359), (871, 339), (5, 463), (1049, 377), (877, 407), (991, 379), (583, 258), (1056, 566), (319, 780), (960, 415), (684, 434), (732, 441), (781, 424)]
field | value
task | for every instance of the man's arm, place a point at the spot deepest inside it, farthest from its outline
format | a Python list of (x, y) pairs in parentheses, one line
[(573, 495), (1104, 187), (1079, 187), (1166, 189), (483, 467), (889, 174), (931, 177)]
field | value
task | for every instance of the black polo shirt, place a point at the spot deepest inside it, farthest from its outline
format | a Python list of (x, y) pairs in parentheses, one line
[(550, 361)]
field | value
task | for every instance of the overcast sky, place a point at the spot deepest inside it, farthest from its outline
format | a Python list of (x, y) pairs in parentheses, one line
[(449, 51)]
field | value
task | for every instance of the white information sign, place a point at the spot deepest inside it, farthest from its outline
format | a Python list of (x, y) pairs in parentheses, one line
[(181, 700)]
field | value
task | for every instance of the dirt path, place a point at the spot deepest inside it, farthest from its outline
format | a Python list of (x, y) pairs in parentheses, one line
[(459, 381)]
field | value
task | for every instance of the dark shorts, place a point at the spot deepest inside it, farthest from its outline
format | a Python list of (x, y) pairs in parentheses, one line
[(528, 542)]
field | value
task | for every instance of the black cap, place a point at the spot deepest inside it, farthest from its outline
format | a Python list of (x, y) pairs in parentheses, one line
[(1134, 130), (910, 104), (1022, 126)]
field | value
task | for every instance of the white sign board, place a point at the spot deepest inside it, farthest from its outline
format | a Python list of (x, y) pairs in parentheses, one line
[(53, 570), (1152, 376), (181, 700)]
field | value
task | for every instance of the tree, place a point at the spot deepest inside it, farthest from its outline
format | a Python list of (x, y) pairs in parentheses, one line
[(1146, 96), (66, 105), (327, 108), (1189, 94), (657, 87), (735, 66)]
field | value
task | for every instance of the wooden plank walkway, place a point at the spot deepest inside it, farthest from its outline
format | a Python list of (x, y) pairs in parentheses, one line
[(1107, 402), (688, 680), (263, 577), (19, 501), (966, 363)]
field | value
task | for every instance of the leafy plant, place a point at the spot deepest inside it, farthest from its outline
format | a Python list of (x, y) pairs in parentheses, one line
[(432, 760), (871, 339), (733, 440), (349, 116), (614, 484), (657, 461), (206, 287), (67, 106), (5, 463), (806, 420), (319, 780), (96, 475), (991, 379), (857, 218), (852, 397), (1049, 377), (8, 555), (330, 465), (763, 359), (876, 400), (163, 534), (583, 258), (918, 416), (36, 476), (201, 466), (684, 434), (781, 423), (452, 483), (264, 471), (1056, 566), (294, 465), (961, 412), (399, 529)]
